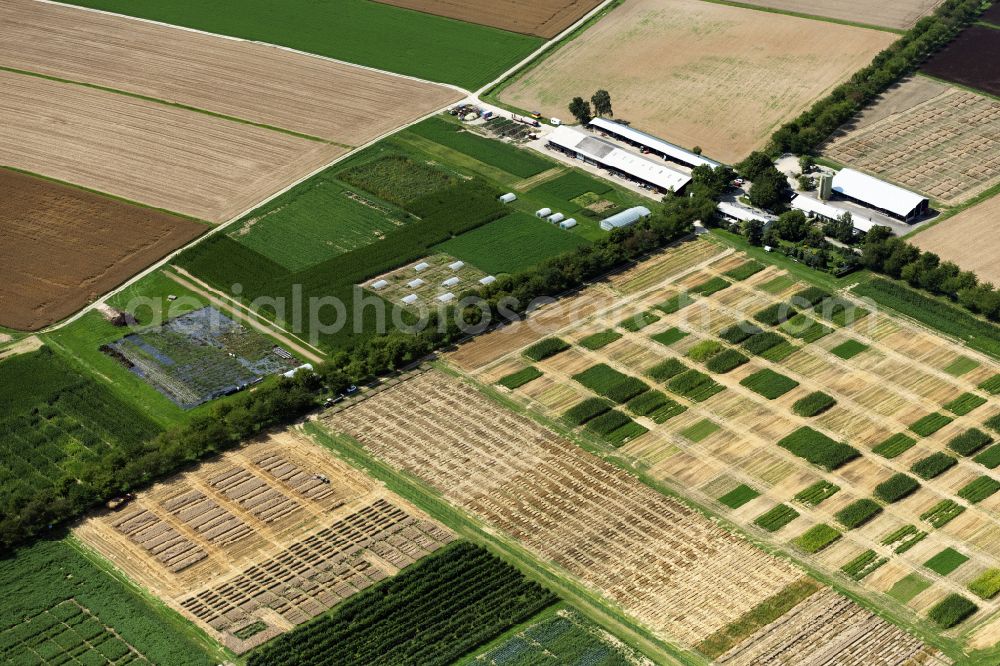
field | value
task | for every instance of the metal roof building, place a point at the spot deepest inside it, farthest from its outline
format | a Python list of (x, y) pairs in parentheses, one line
[(880, 195), (606, 154), (625, 218), (663, 148), (817, 208), (744, 214)]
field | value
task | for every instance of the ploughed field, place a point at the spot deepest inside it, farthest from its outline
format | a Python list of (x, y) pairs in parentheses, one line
[(63, 247), (699, 73), (162, 156), (544, 18), (335, 101), (970, 60), (899, 14)]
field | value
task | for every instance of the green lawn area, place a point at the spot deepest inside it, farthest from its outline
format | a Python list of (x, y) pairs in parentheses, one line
[(359, 31), (513, 243), (778, 284), (519, 162)]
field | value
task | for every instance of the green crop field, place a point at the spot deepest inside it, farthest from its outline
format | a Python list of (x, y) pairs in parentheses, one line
[(692, 384), (670, 336), (744, 271), (60, 608), (987, 585), (769, 383), (737, 333), (608, 382), (588, 409), (666, 370), (656, 406), (701, 430), (675, 303), (903, 538), (601, 339), (858, 512), (906, 588), (776, 518), (979, 489), (946, 561), (639, 321), (357, 31), (817, 493), (519, 162), (942, 513), (818, 449), (543, 349), (817, 538), (849, 349), (933, 465), (711, 286), (569, 186), (511, 244), (896, 487), (990, 458), (815, 403), (726, 361), (520, 378), (961, 365), (863, 564), (739, 496), (951, 610), (969, 442), (930, 424), (894, 445), (965, 403)]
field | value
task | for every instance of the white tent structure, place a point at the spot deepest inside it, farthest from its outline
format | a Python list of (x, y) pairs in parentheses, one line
[(816, 208), (444, 298), (508, 198), (380, 284), (597, 151), (413, 284), (568, 224), (489, 279), (410, 300), (662, 148), (625, 218), (450, 282), (456, 265), (880, 195), (543, 212), (422, 266), (556, 218)]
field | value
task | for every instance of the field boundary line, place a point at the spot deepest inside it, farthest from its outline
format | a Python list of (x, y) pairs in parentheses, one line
[(805, 15), (176, 105), (244, 313)]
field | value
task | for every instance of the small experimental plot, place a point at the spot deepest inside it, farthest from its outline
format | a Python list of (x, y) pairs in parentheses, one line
[(63, 247), (57, 426), (424, 46), (927, 136), (200, 356), (900, 14), (430, 282), (700, 74), (566, 638), (60, 608), (543, 18), (262, 539), (162, 156), (431, 614), (969, 239), (970, 60), (334, 101)]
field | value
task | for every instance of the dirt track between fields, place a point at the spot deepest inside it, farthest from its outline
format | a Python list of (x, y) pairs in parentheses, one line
[(544, 18), (62, 247)]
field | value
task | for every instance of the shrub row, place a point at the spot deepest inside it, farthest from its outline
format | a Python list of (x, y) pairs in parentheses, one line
[(818, 449), (815, 403), (776, 518), (729, 359), (545, 348), (769, 383), (969, 442), (520, 378), (858, 512)]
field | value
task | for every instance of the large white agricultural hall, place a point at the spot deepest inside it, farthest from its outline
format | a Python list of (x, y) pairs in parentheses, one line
[(736, 213), (822, 210), (605, 154), (890, 199), (655, 145)]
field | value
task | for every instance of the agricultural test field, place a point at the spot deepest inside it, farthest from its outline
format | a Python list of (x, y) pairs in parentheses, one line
[(334, 101), (698, 73), (969, 239), (162, 156), (200, 356), (970, 60), (262, 539), (63, 247), (899, 14), (936, 139), (544, 18), (864, 447), (425, 46)]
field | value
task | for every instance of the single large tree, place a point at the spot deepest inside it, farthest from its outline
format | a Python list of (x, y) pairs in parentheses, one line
[(580, 108), (602, 103)]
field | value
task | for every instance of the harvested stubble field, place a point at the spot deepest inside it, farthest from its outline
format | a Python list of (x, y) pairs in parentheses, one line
[(543, 18), (247, 80), (162, 156), (63, 247), (699, 73), (969, 239), (899, 14), (900, 377), (945, 146), (268, 537), (664, 564)]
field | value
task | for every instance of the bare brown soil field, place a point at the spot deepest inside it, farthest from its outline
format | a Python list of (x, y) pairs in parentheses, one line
[(544, 18), (63, 247), (947, 146), (969, 239), (901, 378), (699, 73), (970, 60), (256, 82), (901, 14), (275, 533), (169, 158)]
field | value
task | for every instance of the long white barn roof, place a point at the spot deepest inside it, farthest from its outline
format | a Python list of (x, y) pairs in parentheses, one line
[(650, 141), (878, 193), (744, 214), (817, 207), (610, 155)]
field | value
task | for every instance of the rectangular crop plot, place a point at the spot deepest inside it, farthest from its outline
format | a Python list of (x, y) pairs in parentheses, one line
[(608, 382), (863, 565), (896, 487), (739, 496), (711, 286), (587, 410), (952, 610), (776, 518), (817, 538), (965, 403), (848, 350), (545, 348), (942, 513), (670, 336), (930, 424), (675, 303), (979, 489), (639, 321), (968, 60), (727, 360), (908, 587), (518, 162), (815, 403), (817, 493), (946, 561), (900, 14), (990, 458), (933, 465), (739, 332), (695, 385), (701, 430), (200, 356), (520, 378), (769, 383), (858, 513), (991, 385), (569, 186), (969, 442), (744, 271), (601, 339), (818, 449), (656, 406), (63, 246), (666, 370), (805, 328)]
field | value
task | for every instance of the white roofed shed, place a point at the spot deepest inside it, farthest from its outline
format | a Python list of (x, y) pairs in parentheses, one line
[(821, 209), (879, 194), (653, 143), (625, 218)]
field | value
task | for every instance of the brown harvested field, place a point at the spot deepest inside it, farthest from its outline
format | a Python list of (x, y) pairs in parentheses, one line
[(945, 145), (700, 73), (970, 60), (900, 14), (970, 239), (276, 533), (706, 448), (63, 247), (335, 101), (169, 158), (544, 18)]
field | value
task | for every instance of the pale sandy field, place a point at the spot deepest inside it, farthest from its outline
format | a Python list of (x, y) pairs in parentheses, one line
[(900, 14), (256, 82), (701, 74), (970, 239), (166, 157)]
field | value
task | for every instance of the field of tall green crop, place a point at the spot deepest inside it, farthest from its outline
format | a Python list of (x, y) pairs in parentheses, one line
[(366, 33)]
